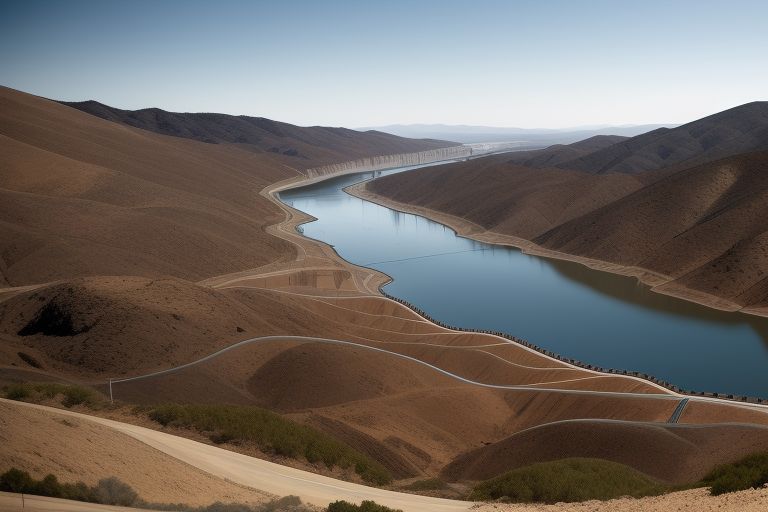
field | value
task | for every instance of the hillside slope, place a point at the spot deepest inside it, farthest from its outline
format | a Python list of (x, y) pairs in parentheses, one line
[(304, 146), (738, 130), (500, 195), (84, 196), (692, 216)]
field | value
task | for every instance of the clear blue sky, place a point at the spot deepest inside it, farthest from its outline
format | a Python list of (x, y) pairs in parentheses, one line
[(358, 63)]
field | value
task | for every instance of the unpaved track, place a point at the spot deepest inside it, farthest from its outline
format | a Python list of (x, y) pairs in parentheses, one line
[(266, 476)]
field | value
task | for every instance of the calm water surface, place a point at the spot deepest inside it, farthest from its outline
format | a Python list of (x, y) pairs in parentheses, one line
[(600, 318)]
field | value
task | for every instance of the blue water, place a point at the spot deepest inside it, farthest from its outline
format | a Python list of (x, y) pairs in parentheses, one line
[(596, 317)]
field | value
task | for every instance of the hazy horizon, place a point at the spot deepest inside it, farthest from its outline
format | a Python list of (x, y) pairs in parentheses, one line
[(550, 65)]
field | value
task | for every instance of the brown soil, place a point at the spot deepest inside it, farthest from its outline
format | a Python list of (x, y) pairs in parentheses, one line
[(74, 450), (672, 453), (696, 500)]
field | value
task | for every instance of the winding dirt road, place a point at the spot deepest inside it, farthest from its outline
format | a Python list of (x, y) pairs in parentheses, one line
[(265, 476)]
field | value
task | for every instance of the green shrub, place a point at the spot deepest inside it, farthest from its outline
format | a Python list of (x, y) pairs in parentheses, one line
[(567, 480), (111, 491), (430, 484), (71, 395), (16, 480), (272, 433), (365, 506), (18, 392), (748, 473)]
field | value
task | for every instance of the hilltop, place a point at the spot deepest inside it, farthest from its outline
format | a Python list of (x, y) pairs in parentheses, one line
[(305, 146)]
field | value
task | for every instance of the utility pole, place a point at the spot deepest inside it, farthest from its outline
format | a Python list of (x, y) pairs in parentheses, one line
[(111, 401)]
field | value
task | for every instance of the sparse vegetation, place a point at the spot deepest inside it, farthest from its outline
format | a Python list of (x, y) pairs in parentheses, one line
[(112, 491), (109, 491), (272, 434), (365, 506), (429, 484), (70, 395), (748, 473), (567, 480)]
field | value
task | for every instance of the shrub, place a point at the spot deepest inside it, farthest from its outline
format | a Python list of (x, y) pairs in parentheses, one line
[(272, 434), (111, 491), (16, 480), (365, 506), (748, 473), (567, 480), (17, 392), (37, 392)]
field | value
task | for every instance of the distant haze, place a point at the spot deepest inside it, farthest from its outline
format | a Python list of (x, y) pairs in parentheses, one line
[(536, 137), (549, 63)]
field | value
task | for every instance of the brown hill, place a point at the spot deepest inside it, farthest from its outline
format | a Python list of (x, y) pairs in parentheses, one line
[(306, 146), (703, 226), (500, 195), (560, 153), (83, 196), (738, 130), (672, 453), (700, 228)]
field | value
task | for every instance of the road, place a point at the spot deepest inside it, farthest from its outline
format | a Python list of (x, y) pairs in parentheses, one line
[(263, 475), (678, 411), (664, 395)]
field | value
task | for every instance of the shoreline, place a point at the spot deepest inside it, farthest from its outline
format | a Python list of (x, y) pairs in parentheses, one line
[(370, 282), (655, 281)]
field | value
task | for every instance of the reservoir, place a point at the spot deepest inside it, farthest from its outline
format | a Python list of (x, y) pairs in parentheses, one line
[(596, 317)]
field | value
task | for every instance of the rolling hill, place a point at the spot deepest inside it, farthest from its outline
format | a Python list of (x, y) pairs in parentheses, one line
[(305, 146), (694, 216), (738, 130)]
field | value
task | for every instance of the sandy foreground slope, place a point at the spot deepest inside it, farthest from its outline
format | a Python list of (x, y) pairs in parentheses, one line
[(164, 468)]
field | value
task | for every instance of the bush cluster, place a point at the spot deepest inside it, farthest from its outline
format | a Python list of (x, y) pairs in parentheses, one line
[(71, 395), (272, 434), (567, 480), (748, 473), (109, 491), (365, 506)]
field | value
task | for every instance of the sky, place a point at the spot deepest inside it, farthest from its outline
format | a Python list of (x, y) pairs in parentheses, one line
[(533, 64)]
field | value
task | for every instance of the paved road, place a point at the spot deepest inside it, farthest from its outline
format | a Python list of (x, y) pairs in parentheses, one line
[(263, 475), (678, 411)]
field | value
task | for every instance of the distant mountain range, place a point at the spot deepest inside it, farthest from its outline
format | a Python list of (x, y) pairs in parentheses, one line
[(537, 137), (305, 146)]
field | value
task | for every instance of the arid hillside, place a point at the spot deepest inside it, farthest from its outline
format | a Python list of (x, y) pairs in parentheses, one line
[(692, 217), (130, 252), (84, 196), (304, 146), (738, 130)]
